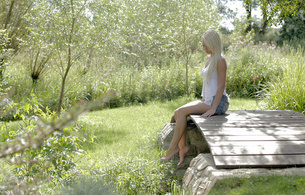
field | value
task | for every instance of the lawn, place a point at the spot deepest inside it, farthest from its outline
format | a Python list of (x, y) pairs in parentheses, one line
[(125, 156), (125, 149), (129, 128)]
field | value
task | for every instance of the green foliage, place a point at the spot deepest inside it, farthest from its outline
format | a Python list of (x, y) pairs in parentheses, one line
[(132, 174), (86, 185), (42, 148), (257, 185), (250, 67), (154, 83), (55, 159), (294, 29), (287, 92), (278, 10), (125, 151)]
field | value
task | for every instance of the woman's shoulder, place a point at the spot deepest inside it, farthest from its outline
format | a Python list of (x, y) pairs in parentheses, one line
[(222, 62)]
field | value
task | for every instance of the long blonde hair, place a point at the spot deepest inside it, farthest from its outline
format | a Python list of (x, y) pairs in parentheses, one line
[(212, 40)]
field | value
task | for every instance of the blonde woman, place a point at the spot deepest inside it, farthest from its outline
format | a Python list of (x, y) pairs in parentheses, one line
[(214, 97)]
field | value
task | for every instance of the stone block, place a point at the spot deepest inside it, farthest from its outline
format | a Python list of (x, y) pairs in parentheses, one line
[(195, 136), (188, 176), (166, 135)]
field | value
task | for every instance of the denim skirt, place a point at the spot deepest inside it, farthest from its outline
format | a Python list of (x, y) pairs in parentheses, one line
[(223, 105)]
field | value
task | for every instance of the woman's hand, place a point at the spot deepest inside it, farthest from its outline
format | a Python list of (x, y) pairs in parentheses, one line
[(209, 113)]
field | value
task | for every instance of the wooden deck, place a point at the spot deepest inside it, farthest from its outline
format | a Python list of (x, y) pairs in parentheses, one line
[(255, 138)]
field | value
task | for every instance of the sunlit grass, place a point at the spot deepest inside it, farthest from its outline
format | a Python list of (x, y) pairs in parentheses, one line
[(126, 147), (121, 128), (126, 156), (260, 185), (244, 104)]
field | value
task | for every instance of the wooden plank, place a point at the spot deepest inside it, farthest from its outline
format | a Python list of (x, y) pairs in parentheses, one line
[(255, 138), (250, 121), (240, 129), (265, 149), (264, 113), (204, 123), (274, 121), (256, 114), (259, 161), (230, 118), (253, 143), (254, 131), (251, 125), (253, 118)]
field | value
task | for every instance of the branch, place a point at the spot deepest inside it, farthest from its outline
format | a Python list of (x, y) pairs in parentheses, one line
[(9, 14), (43, 129)]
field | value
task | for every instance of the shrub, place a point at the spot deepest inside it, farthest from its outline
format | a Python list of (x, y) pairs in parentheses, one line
[(287, 92), (42, 148), (250, 67), (86, 185), (132, 174)]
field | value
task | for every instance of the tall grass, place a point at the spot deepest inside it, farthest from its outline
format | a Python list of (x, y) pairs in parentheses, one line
[(134, 86), (288, 90), (247, 62), (251, 70)]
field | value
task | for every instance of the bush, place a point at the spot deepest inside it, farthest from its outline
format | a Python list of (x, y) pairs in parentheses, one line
[(86, 185), (250, 67), (287, 92), (42, 148), (132, 174)]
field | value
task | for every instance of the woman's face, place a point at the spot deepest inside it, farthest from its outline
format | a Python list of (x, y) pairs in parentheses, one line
[(206, 49)]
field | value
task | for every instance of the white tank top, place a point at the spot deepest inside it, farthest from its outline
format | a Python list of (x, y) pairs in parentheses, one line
[(209, 89)]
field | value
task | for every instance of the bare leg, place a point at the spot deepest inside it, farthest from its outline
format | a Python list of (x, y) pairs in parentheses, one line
[(179, 136), (183, 148), (179, 130)]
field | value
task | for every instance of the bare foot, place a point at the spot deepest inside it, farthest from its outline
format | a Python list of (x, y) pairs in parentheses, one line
[(170, 154), (182, 153)]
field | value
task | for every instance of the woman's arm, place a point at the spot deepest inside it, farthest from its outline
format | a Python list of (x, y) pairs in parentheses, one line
[(221, 80)]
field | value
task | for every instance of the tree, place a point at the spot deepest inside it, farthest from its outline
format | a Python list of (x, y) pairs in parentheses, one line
[(294, 27), (12, 23), (249, 6), (68, 31), (280, 9), (225, 12), (155, 31), (76, 29)]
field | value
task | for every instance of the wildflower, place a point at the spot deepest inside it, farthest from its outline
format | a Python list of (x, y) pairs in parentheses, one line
[(255, 79)]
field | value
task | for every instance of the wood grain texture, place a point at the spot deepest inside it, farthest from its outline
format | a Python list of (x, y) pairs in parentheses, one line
[(257, 138)]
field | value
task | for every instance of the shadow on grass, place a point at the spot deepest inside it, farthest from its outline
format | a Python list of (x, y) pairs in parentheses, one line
[(87, 185), (99, 135)]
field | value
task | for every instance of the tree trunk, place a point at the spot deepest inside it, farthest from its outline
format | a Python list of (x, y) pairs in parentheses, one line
[(69, 62), (9, 14), (249, 15), (185, 50), (262, 31)]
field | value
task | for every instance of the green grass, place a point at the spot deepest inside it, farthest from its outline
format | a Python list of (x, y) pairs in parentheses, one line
[(126, 151), (261, 185), (245, 104), (125, 155), (288, 92), (129, 127)]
